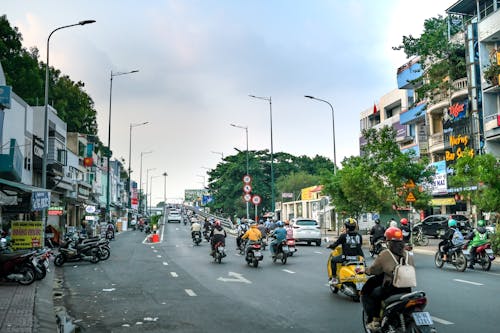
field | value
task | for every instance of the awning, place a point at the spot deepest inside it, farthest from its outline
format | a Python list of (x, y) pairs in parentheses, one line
[(443, 202), (19, 187)]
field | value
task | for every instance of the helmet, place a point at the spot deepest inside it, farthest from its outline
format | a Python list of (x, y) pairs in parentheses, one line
[(217, 223), (377, 221), (481, 223), (452, 223), (279, 224), (393, 224), (393, 233), (350, 224), (404, 221)]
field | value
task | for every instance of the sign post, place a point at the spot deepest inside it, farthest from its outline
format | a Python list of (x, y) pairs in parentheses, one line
[(410, 198)]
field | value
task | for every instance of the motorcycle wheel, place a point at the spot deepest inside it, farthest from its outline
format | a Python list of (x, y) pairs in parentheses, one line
[(59, 260), (29, 275), (41, 272), (460, 262), (94, 259), (255, 263), (364, 319), (424, 240), (438, 260), (413, 328), (283, 259), (485, 262), (103, 253), (219, 258), (355, 298)]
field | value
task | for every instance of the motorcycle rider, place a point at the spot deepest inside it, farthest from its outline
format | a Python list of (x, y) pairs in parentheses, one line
[(479, 237), (242, 228), (195, 228), (253, 234), (351, 242), (279, 235), (405, 229), (383, 269), (451, 237), (218, 234), (376, 233)]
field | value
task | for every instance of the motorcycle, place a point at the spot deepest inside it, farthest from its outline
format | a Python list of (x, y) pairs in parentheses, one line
[(378, 247), (254, 254), (484, 255), (141, 227), (104, 250), (206, 235), (18, 266), (80, 252), (455, 257), (403, 313), (350, 274), (219, 252), (41, 263), (419, 238), (147, 230), (197, 238), (243, 246), (291, 246), (281, 252)]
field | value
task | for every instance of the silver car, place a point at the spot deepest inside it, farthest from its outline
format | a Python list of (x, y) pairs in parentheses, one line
[(306, 230)]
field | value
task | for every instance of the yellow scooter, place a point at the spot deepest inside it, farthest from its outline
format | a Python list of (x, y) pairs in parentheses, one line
[(350, 274)]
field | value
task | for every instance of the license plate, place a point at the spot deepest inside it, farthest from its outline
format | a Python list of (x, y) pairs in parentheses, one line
[(359, 285), (285, 248), (257, 254), (489, 251), (221, 249), (422, 318), (466, 252), (46, 263)]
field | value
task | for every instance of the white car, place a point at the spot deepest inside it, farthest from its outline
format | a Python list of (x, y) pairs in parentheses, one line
[(174, 216), (306, 230)]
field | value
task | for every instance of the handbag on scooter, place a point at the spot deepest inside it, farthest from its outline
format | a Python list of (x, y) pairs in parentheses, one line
[(404, 273)]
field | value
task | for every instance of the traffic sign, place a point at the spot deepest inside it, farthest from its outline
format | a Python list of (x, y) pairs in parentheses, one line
[(247, 188), (256, 200), (411, 197), (247, 179), (247, 197), (410, 184)]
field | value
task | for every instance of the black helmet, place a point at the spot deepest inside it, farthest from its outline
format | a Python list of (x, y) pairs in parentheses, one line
[(350, 224), (377, 221)]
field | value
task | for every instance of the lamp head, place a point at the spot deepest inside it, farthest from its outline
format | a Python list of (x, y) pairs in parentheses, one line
[(308, 96), (86, 22)]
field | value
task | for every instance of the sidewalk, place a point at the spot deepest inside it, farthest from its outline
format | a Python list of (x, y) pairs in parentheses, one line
[(28, 309)]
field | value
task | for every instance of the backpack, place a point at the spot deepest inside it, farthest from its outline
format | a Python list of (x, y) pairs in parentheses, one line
[(404, 274), (458, 238)]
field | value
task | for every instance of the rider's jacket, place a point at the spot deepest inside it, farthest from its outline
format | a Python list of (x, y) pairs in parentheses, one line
[(195, 227), (377, 232), (385, 264), (252, 234), (351, 244), (279, 234), (480, 237)]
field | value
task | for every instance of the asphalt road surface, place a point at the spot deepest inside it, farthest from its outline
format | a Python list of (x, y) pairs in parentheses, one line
[(173, 286)]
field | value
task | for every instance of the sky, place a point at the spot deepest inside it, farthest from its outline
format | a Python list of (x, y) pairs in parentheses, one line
[(199, 60)]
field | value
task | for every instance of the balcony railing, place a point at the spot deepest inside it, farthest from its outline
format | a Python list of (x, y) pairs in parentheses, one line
[(436, 142), (460, 84)]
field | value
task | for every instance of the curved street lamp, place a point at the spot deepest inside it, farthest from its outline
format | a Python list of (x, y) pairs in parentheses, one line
[(246, 131), (140, 177)]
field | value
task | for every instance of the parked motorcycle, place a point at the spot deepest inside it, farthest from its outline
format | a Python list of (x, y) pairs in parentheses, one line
[(41, 262), (254, 254), (484, 255), (219, 252), (18, 267), (403, 313), (281, 252), (378, 247), (455, 257), (290, 242), (350, 274), (197, 238), (69, 252), (104, 250)]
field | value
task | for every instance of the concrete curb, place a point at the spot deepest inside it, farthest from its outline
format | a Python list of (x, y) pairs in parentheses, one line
[(44, 314)]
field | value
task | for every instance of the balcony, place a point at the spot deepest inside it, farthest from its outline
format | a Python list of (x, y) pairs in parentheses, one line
[(11, 164), (440, 101), (413, 115), (436, 142), (460, 89), (491, 126)]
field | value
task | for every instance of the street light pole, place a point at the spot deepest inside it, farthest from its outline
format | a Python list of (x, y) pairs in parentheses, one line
[(219, 153), (46, 112), (108, 212), (151, 193), (333, 129), (269, 99), (165, 174), (140, 178), (129, 164), (147, 174), (246, 131)]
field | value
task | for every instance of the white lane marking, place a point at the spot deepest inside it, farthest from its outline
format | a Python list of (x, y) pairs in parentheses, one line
[(174, 274), (176, 245), (110, 289), (152, 247), (165, 263), (286, 270), (176, 228), (190, 292), (237, 278), (492, 273), (469, 282), (158, 256), (441, 321), (318, 252), (155, 251)]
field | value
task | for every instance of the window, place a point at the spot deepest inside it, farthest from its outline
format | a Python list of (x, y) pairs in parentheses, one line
[(307, 222), (62, 156)]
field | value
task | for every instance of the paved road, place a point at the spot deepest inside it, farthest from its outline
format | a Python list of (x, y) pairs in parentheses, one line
[(173, 286)]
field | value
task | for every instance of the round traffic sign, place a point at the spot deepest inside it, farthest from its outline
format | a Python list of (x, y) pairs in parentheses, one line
[(247, 188), (256, 200), (247, 179), (247, 197)]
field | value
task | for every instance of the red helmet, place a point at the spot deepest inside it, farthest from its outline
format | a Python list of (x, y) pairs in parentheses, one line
[(393, 233), (404, 221), (217, 223)]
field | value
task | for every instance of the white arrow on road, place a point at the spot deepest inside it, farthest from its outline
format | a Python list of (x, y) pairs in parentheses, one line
[(237, 278)]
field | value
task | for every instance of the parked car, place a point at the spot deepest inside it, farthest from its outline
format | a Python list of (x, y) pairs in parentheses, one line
[(432, 224), (174, 216), (306, 230)]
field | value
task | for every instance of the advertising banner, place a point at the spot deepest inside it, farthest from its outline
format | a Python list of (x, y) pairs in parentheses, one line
[(26, 234), (40, 200), (440, 184)]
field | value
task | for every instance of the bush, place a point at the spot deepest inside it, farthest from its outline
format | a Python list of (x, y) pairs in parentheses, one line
[(495, 241)]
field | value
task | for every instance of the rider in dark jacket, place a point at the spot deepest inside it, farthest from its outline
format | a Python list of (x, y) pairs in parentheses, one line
[(376, 232), (218, 234)]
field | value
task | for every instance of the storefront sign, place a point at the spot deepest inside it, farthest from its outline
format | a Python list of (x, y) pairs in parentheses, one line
[(40, 200), (55, 211), (439, 184), (26, 234), (458, 144)]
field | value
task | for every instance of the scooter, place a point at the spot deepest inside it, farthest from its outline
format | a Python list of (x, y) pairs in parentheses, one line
[(254, 254), (281, 252), (197, 238), (378, 247), (350, 274), (484, 255), (291, 246), (219, 252), (402, 313), (18, 266), (455, 257), (86, 252)]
